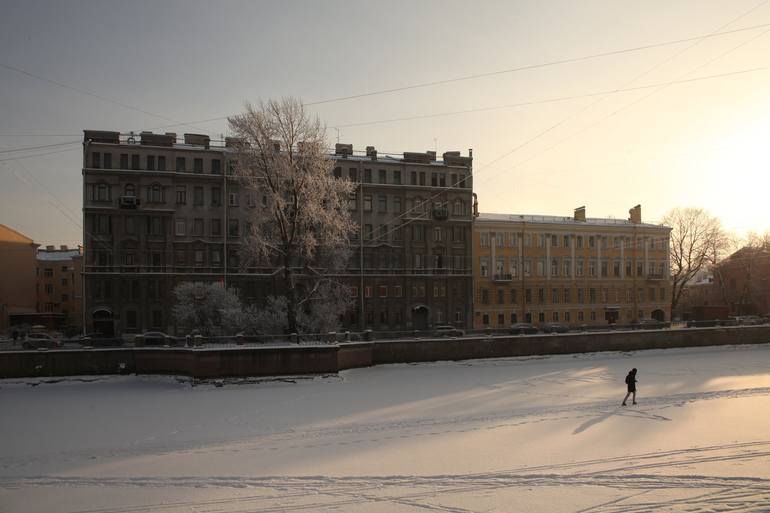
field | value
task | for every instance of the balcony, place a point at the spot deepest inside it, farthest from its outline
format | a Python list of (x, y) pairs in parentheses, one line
[(440, 213), (657, 276), (502, 278)]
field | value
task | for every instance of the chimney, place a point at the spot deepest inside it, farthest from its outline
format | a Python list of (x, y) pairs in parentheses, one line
[(63, 247), (635, 215), (343, 149), (580, 214), (431, 155), (371, 152), (50, 248)]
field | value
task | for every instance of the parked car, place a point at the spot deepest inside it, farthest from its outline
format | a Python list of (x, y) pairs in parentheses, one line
[(554, 327), (445, 330), (650, 324), (40, 340), (157, 338), (523, 328), (750, 320)]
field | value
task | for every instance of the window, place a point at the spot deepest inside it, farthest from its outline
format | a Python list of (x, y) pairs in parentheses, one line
[(135, 162), (541, 266), (216, 197), (155, 193), (554, 267), (368, 291), (232, 227), (484, 239), (528, 296), (397, 177), (232, 199), (418, 233), (422, 177), (108, 161), (604, 268), (180, 164), (500, 296), (580, 316), (437, 234), (397, 205), (216, 167), (353, 174), (382, 200), (216, 227), (484, 267), (484, 296), (514, 296), (124, 161), (616, 268), (383, 176), (581, 296), (541, 295), (527, 267), (485, 319), (554, 241), (592, 295), (580, 242), (367, 203), (591, 241), (150, 162), (198, 226), (103, 192), (367, 176), (181, 194), (591, 267), (368, 232), (161, 163), (567, 267), (566, 241), (198, 165), (567, 295), (179, 227), (96, 160)]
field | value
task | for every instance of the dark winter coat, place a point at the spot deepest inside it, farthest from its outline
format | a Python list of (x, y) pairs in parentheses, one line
[(631, 381)]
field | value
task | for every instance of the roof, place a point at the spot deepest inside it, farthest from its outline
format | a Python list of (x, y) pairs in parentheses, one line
[(564, 220), (8, 234), (57, 255)]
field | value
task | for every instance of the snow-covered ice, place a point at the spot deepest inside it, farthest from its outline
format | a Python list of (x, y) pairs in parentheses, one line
[(543, 434)]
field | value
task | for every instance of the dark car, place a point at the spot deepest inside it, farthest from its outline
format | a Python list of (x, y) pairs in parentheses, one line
[(554, 327), (523, 328), (445, 330), (650, 324), (40, 340)]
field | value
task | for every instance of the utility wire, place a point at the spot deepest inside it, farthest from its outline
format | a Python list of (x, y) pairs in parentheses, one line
[(510, 70), (94, 95), (38, 154), (552, 100), (39, 147), (418, 208)]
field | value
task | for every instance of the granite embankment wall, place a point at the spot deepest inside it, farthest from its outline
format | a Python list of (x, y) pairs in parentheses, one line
[(330, 358)]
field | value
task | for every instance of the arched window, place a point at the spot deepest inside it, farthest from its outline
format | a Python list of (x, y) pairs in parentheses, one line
[(129, 190)]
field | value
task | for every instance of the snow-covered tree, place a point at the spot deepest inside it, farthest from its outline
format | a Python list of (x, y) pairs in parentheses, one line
[(207, 307), (303, 228)]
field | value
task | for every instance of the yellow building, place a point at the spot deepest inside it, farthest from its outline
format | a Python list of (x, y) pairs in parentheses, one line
[(572, 270), (17, 275)]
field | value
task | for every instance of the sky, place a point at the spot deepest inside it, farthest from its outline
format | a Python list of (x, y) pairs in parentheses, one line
[(665, 126)]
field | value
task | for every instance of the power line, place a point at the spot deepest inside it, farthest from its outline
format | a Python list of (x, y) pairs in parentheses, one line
[(92, 94), (39, 147), (537, 66), (38, 154), (511, 70), (552, 100)]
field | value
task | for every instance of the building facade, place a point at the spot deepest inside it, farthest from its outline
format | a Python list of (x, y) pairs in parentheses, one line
[(17, 277), (571, 270), (158, 212), (742, 281), (59, 286)]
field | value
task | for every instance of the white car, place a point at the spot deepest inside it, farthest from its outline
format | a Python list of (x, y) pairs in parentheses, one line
[(38, 340)]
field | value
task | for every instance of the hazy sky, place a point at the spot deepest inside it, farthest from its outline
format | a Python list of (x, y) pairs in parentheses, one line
[(703, 142)]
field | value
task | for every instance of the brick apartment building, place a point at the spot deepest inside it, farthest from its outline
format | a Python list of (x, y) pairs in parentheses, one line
[(158, 212), (59, 287)]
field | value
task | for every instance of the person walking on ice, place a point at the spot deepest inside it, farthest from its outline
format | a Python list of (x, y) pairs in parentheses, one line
[(631, 382)]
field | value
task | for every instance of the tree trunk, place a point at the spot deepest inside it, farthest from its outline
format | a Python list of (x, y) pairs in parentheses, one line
[(291, 301)]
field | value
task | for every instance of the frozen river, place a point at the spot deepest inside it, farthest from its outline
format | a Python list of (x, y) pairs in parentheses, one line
[(522, 434)]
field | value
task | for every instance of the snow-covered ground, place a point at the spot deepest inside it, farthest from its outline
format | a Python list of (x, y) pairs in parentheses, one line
[(524, 434)]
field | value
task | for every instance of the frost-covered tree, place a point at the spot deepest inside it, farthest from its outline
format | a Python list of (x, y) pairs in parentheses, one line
[(208, 307), (303, 228)]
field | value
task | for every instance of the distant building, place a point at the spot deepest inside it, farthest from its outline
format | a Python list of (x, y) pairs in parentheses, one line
[(742, 281), (158, 212), (60, 285), (572, 270), (17, 277)]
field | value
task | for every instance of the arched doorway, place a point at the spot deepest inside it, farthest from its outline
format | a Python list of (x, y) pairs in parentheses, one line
[(103, 322), (658, 315), (420, 317)]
